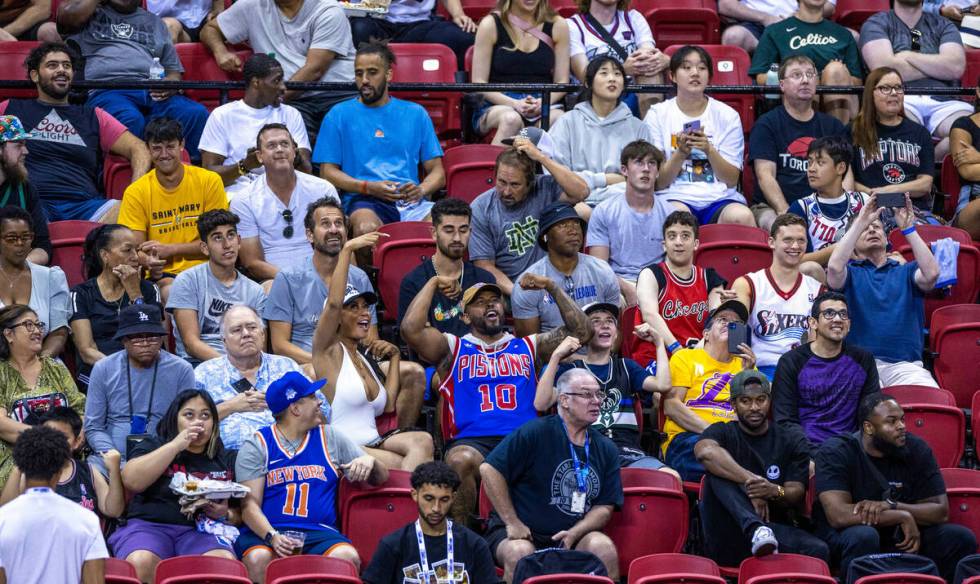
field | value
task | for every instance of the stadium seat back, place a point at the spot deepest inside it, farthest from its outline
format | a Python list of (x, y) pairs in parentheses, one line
[(733, 259), (568, 579), (781, 563), (311, 570), (682, 22), (201, 570), (394, 258), (67, 242), (469, 170), (475, 9), (950, 184), (119, 571), (369, 513), (975, 422), (955, 346), (942, 427), (853, 13), (725, 233), (946, 316), (671, 564), (900, 578), (920, 394), (199, 65), (731, 67), (627, 322), (963, 492), (649, 500), (429, 63), (972, 71), (12, 56)]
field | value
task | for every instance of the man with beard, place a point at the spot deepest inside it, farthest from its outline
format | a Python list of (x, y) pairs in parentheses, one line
[(16, 190), (584, 278), (228, 142), (756, 476), (451, 232), (66, 140), (371, 149), (880, 490), (505, 218), (272, 202), (819, 385), (489, 377), (433, 545), (298, 293)]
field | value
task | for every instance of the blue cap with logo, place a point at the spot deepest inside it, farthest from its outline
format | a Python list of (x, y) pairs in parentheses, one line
[(290, 388)]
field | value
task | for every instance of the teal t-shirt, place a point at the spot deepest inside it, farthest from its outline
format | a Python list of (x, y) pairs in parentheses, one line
[(823, 42)]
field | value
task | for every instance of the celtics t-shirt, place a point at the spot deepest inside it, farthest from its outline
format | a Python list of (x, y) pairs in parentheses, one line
[(823, 42)]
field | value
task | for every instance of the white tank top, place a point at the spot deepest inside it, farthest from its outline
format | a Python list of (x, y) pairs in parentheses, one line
[(778, 319), (353, 415)]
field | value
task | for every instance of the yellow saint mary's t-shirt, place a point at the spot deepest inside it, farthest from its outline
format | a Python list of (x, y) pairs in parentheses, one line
[(170, 216), (706, 381)]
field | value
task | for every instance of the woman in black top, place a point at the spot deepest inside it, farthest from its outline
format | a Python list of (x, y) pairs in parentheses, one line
[(964, 143), (113, 273), (521, 41)]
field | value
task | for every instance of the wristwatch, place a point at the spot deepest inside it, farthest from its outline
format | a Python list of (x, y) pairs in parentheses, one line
[(892, 504), (781, 492), (268, 537)]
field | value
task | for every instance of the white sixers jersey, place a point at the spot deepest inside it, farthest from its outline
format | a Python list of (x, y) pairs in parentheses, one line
[(778, 319)]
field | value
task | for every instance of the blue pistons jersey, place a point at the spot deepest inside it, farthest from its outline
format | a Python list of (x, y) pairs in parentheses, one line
[(300, 491), (489, 390)]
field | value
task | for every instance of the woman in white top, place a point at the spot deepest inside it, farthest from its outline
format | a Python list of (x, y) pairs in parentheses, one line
[(355, 392), (703, 141)]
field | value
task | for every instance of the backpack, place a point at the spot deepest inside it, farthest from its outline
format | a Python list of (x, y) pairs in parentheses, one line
[(558, 561), (889, 563)]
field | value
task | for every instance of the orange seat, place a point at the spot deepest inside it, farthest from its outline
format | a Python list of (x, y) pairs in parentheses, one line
[(67, 241), (369, 513), (781, 564), (682, 22), (311, 570), (920, 394), (201, 570), (199, 65), (120, 572), (12, 56), (853, 13), (410, 243), (731, 67), (469, 170), (430, 63), (942, 427), (674, 569)]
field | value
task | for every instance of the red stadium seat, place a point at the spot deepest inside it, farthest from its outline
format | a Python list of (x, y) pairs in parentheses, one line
[(430, 63), (975, 421), (972, 71), (475, 9), (957, 351), (311, 570), (568, 579), (201, 570), (733, 250), (650, 498), (967, 264), (853, 13), (942, 427), (12, 55), (120, 572), (731, 67), (67, 241), (781, 564), (674, 569), (920, 394), (682, 22), (950, 185), (900, 578), (628, 340), (410, 244), (791, 578), (566, 8), (199, 65), (117, 174), (369, 513), (963, 491), (469, 170), (947, 316)]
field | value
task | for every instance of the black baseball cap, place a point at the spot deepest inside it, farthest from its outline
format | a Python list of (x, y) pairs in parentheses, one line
[(140, 319)]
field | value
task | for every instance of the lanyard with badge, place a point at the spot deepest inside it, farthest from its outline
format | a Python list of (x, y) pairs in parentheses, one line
[(581, 473), (424, 559), (138, 424)]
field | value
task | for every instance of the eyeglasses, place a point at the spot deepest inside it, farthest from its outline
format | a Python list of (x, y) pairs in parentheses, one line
[(916, 39), (287, 216), (598, 396), (724, 322), (13, 239), (799, 75), (143, 339), (831, 314), (30, 326), (890, 89)]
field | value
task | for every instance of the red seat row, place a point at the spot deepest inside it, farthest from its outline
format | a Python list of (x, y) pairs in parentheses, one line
[(212, 570)]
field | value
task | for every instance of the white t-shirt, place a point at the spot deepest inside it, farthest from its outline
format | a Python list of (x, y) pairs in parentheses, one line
[(46, 538), (696, 184), (409, 10), (261, 213), (190, 13), (232, 128), (630, 30), (778, 7)]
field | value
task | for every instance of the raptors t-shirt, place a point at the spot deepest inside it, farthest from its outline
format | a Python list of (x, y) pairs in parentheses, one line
[(779, 137), (906, 151)]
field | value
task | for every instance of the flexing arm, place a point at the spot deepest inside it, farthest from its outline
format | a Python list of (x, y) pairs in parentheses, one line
[(575, 323), (545, 396)]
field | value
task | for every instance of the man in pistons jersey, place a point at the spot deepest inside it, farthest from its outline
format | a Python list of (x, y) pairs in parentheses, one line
[(830, 209), (489, 378), (779, 297), (675, 295), (292, 469)]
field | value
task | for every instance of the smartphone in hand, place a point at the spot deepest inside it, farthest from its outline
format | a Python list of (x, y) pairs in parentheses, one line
[(891, 200), (692, 126), (738, 334)]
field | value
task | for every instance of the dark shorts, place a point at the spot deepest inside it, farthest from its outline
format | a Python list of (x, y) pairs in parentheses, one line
[(680, 457), (163, 540), (753, 27), (319, 542), (497, 533), (482, 444), (194, 33), (85, 210), (387, 212)]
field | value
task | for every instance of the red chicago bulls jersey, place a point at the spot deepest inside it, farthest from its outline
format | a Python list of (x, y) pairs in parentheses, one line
[(683, 306)]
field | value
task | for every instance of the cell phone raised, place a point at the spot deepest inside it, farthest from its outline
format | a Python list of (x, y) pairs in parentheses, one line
[(890, 199), (692, 126), (738, 334), (242, 385)]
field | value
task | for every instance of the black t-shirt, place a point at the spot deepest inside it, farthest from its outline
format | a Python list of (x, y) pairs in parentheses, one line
[(24, 196), (396, 560), (161, 505), (967, 124), (906, 151), (444, 312), (842, 465), (79, 487), (537, 465)]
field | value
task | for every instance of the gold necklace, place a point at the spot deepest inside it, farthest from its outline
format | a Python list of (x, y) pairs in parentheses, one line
[(12, 281)]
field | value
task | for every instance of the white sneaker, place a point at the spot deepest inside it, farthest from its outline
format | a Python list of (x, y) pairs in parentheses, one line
[(764, 542)]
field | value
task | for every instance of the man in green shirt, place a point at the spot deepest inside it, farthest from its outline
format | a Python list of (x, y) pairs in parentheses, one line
[(830, 46)]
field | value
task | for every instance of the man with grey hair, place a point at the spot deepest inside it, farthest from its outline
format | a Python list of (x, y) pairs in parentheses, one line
[(575, 469), (238, 380)]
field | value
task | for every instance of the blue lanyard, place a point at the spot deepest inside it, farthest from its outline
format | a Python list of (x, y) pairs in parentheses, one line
[(424, 559), (581, 472)]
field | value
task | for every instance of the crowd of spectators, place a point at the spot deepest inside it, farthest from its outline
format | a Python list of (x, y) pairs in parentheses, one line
[(246, 234)]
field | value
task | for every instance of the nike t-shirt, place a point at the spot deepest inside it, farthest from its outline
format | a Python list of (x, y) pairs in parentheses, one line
[(823, 42)]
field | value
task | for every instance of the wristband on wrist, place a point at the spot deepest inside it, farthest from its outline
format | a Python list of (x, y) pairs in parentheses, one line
[(364, 189), (242, 171), (908, 230), (673, 347)]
